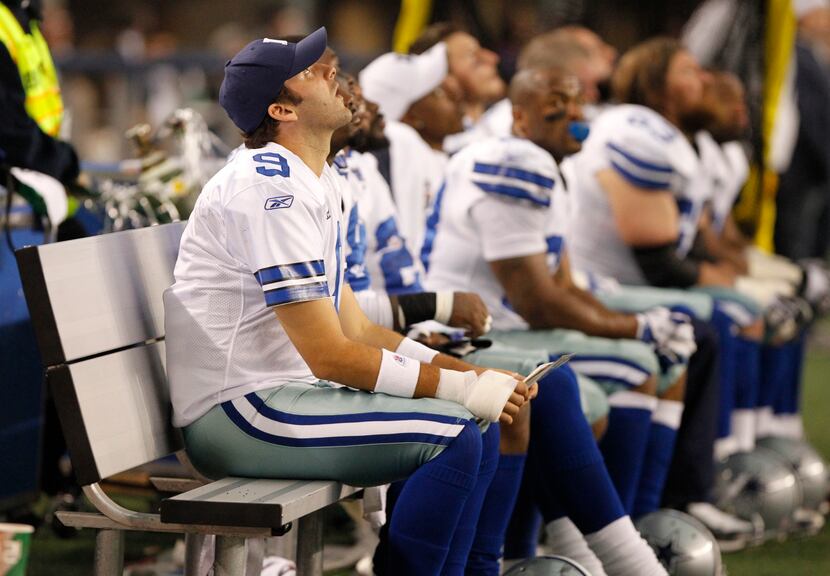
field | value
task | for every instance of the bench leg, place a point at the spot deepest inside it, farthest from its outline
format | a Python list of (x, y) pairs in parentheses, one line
[(231, 556), (310, 545), (255, 557), (109, 553), (193, 544)]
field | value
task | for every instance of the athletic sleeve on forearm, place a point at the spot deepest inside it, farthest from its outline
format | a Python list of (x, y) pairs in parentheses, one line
[(24, 143), (663, 268)]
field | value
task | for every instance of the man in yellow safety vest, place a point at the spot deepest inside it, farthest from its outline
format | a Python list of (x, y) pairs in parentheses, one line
[(31, 108)]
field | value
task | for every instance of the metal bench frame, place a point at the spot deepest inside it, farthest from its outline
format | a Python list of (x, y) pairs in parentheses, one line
[(96, 308)]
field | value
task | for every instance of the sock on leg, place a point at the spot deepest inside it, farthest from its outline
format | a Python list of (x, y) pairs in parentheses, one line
[(428, 508), (664, 424), (623, 551), (522, 535), (727, 338), (465, 530), (565, 467), (625, 442), (565, 539), (747, 384), (495, 515), (775, 362)]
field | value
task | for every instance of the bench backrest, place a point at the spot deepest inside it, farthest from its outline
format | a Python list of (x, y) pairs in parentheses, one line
[(96, 308)]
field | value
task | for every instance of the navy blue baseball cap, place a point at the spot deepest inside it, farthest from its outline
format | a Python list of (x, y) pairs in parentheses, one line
[(255, 76)]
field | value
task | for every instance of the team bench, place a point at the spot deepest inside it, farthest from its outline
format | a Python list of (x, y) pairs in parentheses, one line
[(96, 307)]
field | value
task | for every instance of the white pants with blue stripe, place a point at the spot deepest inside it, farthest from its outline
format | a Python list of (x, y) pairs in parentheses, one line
[(316, 431)]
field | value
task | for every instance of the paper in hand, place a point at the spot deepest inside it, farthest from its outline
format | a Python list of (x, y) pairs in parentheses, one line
[(542, 370)]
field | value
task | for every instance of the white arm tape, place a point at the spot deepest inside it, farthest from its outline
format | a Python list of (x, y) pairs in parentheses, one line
[(413, 349), (443, 306), (398, 375)]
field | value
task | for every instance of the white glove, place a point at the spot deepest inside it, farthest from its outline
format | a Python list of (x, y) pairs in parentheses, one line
[(671, 333), (485, 396)]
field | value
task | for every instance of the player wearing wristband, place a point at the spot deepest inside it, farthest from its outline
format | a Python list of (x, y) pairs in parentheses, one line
[(259, 312)]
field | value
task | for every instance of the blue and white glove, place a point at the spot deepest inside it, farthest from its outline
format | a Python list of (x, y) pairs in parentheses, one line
[(670, 333)]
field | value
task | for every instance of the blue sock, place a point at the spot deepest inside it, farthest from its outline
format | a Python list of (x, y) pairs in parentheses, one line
[(523, 530), (748, 375), (427, 507), (775, 371), (565, 467), (465, 531), (625, 442), (728, 367), (787, 400), (661, 438), (495, 515)]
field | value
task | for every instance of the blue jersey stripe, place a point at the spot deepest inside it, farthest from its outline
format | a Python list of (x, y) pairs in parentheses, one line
[(294, 271), (512, 192), (432, 226), (555, 244), (639, 181), (337, 279), (311, 419), (299, 293), (640, 163), (405, 437), (515, 173)]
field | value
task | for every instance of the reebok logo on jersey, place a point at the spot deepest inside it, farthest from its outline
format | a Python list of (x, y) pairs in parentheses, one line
[(279, 202)]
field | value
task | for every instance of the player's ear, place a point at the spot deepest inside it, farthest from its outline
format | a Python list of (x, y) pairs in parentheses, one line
[(282, 112), (519, 121)]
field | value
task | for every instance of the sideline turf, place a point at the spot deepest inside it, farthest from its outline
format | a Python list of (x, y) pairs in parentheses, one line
[(808, 556)]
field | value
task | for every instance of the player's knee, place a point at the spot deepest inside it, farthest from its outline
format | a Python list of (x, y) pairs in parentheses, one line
[(464, 452), (676, 390), (599, 427), (648, 387), (754, 331)]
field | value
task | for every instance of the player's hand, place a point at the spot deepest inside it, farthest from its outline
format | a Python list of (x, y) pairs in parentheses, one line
[(470, 313), (670, 332), (511, 409), (529, 393), (716, 275)]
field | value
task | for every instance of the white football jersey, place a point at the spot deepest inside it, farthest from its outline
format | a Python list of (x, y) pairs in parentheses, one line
[(649, 152), (496, 203), (728, 168), (416, 172), (265, 231), (374, 241)]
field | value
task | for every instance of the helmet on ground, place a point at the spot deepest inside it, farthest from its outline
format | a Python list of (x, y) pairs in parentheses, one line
[(548, 566), (810, 468), (683, 545), (759, 485)]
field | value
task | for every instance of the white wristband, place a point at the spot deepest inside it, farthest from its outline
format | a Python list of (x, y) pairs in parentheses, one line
[(398, 375), (413, 349), (443, 306)]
